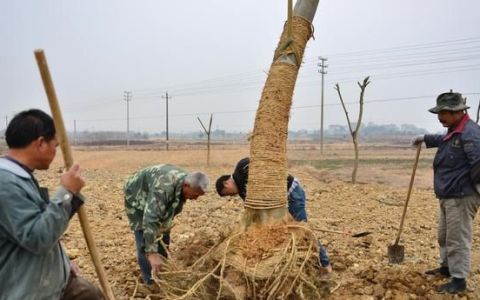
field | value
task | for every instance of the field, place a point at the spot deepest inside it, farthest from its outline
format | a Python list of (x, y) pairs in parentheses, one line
[(361, 268)]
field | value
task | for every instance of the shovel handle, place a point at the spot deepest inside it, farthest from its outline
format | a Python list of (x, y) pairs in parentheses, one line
[(359, 234), (412, 178), (332, 231), (68, 159)]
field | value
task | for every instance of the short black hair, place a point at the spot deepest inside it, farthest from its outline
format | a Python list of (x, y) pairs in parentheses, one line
[(27, 126), (220, 184)]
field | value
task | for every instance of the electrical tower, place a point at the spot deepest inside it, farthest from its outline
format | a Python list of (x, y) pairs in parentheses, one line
[(322, 70), (166, 97), (127, 96)]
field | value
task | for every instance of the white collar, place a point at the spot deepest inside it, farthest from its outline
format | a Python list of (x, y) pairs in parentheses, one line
[(12, 167)]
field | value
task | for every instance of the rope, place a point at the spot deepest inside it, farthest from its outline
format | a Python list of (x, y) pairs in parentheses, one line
[(288, 44), (267, 171)]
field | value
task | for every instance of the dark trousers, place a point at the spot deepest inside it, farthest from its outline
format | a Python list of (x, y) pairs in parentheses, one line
[(79, 289), (142, 258)]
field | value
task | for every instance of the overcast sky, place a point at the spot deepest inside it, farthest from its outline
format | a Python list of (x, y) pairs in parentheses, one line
[(212, 57)]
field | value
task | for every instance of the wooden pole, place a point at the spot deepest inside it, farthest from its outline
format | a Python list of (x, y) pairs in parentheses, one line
[(68, 159)]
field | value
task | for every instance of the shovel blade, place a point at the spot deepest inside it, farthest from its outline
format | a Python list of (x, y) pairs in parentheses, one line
[(360, 234), (396, 254)]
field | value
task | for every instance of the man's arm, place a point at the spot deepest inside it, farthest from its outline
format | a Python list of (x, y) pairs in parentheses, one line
[(36, 229), (154, 215), (241, 169), (433, 140), (471, 146), (240, 176)]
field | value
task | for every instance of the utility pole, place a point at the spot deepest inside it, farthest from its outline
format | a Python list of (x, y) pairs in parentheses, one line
[(166, 97), (75, 132), (323, 71), (128, 97)]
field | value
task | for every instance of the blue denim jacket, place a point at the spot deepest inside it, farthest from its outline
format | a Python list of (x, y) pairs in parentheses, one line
[(457, 152)]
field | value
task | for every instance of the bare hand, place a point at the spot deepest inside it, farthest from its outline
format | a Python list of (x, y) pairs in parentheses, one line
[(155, 261), (72, 180), (418, 140), (75, 269)]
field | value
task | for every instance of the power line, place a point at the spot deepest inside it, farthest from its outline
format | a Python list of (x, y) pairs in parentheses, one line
[(255, 79), (253, 74), (430, 45), (385, 100)]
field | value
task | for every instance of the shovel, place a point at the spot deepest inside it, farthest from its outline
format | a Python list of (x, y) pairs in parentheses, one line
[(396, 252)]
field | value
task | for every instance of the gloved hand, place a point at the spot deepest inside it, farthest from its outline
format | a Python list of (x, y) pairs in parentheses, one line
[(418, 140)]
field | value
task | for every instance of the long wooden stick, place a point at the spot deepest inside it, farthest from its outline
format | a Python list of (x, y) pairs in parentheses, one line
[(68, 159), (412, 179), (358, 234)]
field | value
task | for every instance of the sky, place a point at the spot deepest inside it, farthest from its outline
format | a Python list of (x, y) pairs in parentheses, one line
[(212, 57)]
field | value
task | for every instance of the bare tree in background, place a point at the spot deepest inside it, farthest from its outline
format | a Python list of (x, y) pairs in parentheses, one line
[(354, 132), (208, 132)]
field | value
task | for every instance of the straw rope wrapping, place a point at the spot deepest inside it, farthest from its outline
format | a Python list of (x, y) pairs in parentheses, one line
[(287, 267), (268, 166)]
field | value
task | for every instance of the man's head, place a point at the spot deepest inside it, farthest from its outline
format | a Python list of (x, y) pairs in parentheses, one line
[(31, 133), (195, 185), (450, 108), (226, 186)]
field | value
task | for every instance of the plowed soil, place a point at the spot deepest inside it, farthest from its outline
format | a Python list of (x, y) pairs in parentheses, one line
[(361, 269)]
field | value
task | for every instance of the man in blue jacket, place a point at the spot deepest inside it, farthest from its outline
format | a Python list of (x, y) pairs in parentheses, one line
[(33, 264), (456, 169)]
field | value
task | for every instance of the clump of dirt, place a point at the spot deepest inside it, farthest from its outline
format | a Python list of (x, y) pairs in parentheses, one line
[(261, 242)]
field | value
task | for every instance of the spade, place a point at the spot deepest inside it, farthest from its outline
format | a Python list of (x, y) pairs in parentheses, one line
[(396, 252)]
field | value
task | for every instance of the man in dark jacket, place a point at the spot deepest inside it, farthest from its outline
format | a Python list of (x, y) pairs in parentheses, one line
[(236, 184), (33, 263), (456, 169)]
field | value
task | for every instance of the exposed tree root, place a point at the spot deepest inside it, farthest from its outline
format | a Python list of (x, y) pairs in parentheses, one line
[(268, 262)]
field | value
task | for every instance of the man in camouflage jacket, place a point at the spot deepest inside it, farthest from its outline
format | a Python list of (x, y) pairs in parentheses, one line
[(153, 197)]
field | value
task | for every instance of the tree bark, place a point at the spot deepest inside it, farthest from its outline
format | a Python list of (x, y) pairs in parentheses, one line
[(355, 164)]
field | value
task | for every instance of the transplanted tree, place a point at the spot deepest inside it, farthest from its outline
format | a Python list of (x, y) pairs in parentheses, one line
[(247, 264), (354, 132), (267, 192)]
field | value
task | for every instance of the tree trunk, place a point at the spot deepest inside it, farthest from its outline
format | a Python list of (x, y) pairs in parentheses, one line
[(267, 188), (208, 149), (355, 164)]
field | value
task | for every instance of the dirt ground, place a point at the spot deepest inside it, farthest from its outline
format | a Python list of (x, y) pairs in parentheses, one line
[(361, 268)]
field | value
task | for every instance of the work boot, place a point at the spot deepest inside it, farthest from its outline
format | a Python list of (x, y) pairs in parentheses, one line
[(442, 271), (455, 286)]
